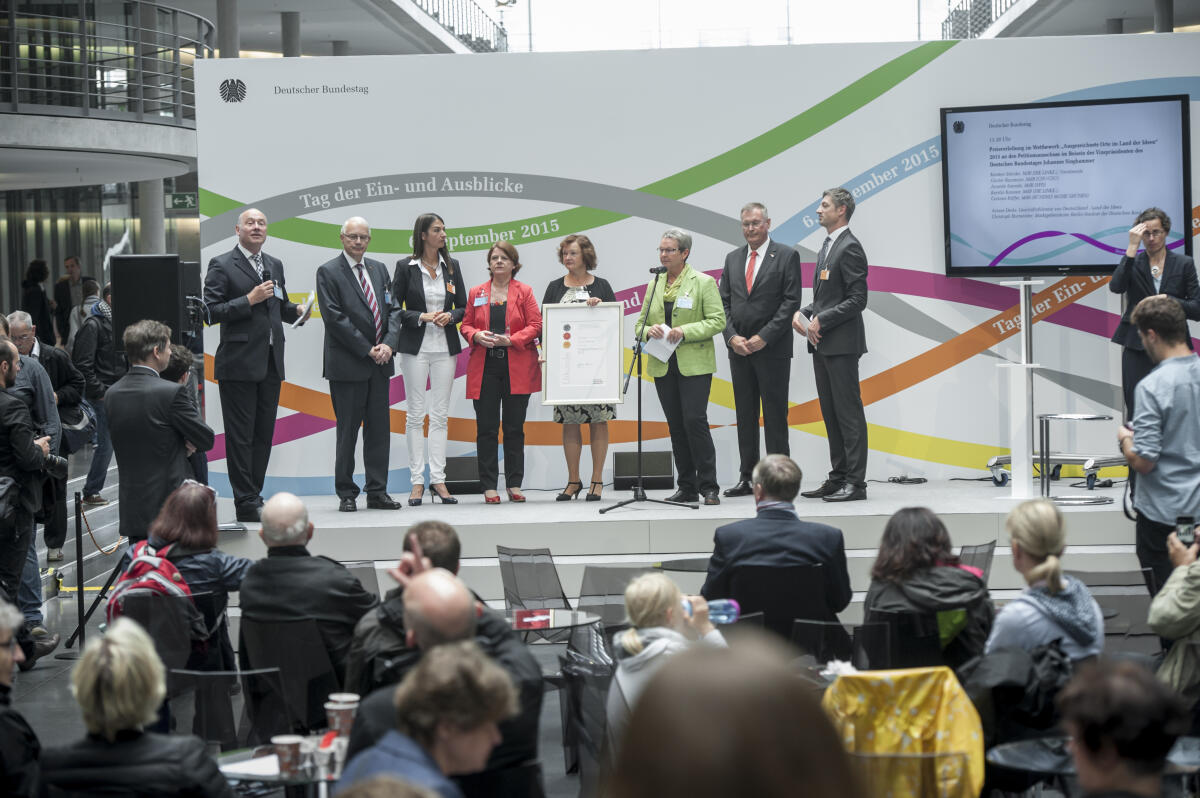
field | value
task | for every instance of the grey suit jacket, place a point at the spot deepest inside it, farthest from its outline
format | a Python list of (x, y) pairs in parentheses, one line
[(246, 330), (840, 300), (349, 323), (766, 310)]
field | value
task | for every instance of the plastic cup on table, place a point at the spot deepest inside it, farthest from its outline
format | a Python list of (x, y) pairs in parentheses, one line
[(340, 717), (287, 748)]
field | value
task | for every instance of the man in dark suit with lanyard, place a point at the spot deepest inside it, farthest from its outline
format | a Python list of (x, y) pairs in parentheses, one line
[(362, 329), (837, 338), (245, 293), (760, 289)]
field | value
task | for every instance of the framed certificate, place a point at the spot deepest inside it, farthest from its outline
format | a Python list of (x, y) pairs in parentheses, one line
[(583, 351)]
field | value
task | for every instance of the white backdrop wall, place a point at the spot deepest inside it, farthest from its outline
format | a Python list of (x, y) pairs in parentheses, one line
[(621, 146)]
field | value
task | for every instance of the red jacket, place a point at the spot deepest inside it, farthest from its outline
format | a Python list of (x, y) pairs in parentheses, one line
[(524, 321)]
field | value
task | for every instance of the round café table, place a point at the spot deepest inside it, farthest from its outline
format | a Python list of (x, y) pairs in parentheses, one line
[(685, 565), (1050, 757), (548, 620)]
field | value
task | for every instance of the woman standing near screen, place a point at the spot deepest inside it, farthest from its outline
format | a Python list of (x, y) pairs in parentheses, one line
[(578, 255), (1154, 270), (430, 289), (502, 324)]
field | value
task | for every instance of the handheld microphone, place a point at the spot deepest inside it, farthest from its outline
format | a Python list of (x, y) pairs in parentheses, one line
[(266, 273), (658, 269)]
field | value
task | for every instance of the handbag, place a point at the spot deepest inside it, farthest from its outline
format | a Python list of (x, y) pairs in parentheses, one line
[(76, 432)]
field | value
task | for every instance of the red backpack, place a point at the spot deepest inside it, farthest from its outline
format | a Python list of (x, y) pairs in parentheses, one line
[(150, 573)]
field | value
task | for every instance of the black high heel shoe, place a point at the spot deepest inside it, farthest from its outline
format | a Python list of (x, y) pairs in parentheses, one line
[(566, 497), (435, 497), (416, 501), (594, 497)]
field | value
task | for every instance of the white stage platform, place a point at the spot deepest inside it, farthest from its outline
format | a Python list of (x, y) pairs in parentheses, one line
[(1100, 538)]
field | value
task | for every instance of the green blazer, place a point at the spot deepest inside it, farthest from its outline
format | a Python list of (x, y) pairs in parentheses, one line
[(706, 318)]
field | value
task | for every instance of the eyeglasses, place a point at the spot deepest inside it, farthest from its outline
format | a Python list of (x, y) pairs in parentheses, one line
[(356, 237), (1153, 233), (212, 491), (753, 224), (666, 251)]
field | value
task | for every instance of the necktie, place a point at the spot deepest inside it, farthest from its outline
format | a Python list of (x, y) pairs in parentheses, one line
[(750, 271), (824, 251), (256, 258), (370, 294)]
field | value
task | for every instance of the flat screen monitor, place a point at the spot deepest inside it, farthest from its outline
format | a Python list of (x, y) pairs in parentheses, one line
[(1053, 188)]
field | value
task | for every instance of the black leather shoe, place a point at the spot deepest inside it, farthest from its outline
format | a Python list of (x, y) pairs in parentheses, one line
[(743, 488), (712, 497), (828, 487), (683, 497), (41, 647), (847, 493), (252, 514), (347, 505), (382, 501)]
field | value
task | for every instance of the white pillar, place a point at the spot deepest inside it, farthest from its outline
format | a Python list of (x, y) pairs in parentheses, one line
[(290, 22), (152, 232), (229, 39), (1164, 16)]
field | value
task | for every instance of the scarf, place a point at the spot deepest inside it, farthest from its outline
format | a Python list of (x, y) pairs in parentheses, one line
[(672, 291)]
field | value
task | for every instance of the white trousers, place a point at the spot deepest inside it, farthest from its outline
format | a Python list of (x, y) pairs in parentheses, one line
[(437, 370)]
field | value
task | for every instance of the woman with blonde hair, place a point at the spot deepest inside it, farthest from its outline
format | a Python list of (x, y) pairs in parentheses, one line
[(1054, 606), (119, 683), (659, 628)]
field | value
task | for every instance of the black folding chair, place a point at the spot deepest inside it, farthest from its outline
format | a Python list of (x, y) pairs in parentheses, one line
[(979, 557), (364, 571), (172, 622), (603, 592), (297, 650), (530, 580), (227, 709), (1124, 598), (914, 638), (782, 595)]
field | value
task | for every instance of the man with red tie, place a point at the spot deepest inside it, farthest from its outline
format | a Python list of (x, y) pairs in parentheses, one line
[(760, 289), (362, 329)]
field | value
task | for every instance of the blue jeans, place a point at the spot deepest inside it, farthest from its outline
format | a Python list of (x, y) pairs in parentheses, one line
[(29, 592), (102, 456)]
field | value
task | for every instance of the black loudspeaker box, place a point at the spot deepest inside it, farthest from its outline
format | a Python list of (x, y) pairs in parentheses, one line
[(151, 287), (658, 470), (462, 475)]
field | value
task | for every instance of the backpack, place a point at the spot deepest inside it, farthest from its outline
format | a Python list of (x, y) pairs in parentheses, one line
[(150, 573)]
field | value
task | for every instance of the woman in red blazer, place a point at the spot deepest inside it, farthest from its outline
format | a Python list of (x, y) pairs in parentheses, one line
[(502, 325)]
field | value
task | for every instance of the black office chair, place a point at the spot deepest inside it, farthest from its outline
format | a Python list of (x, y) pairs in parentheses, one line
[(782, 595), (914, 638), (229, 710), (298, 651)]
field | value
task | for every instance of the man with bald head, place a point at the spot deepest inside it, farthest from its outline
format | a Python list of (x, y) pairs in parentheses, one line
[(289, 584), (362, 329), (435, 608), (245, 293)]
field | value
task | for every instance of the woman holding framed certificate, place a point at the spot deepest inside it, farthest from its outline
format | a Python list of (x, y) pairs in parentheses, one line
[(502, 324), (578, 255), (430, 290), (685, 314)]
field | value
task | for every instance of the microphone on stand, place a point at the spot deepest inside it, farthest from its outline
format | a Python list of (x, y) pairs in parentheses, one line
[(658, 269)]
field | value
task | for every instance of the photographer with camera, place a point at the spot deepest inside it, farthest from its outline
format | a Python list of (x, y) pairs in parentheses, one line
[(1175, 615), (1163, 441), (22, 460)]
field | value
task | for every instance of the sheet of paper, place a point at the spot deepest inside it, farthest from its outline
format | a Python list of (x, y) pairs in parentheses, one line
[(803, 323), (661, 348), (262, 766), (304, 309), (583, 358)]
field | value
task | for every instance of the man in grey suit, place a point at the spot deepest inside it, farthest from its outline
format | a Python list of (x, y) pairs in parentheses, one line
[(760, 289), (245, 293), (154, 426), (362, 329), (837, 338)]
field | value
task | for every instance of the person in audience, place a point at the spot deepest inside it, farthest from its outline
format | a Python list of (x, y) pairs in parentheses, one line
[(188, 523), (916, 571), (179, 371), (91, 295), (447, 711), (502, 325), (20, 752), (1175, 615), (68, 294), (386, 787), (119, 683), (291, 585), (577, 254), (660, 628), (95, 355), (35, 302), (1054, 606), (433, 608), (1121, 724), (714, 723), (776, 537)]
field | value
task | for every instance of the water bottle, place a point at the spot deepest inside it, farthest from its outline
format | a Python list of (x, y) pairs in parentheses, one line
[(720, 611)]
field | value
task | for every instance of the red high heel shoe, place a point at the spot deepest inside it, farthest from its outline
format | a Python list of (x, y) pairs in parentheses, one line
[(515, 497), (491, 499)]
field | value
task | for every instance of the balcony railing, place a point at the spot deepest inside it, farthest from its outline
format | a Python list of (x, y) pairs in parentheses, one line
[(970, 18), (103, 59), (469, 23)]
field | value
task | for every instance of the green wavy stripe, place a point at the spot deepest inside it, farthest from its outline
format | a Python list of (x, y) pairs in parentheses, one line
[(696, 178)]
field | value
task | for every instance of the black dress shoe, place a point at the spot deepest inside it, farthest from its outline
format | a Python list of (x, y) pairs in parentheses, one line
[(347, 505), (847, 493), (743, 488), (828, 487), (712, 497), (41, 647), (252, 514), (382, 501), (683, 497)]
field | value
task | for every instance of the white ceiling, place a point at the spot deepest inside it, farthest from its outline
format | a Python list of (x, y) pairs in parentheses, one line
[(1074, 17)]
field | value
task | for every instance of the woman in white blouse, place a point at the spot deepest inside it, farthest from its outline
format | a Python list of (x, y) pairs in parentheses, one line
[(430, 289)]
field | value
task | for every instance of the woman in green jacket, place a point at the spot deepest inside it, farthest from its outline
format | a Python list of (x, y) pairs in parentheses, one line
[(686, 308)]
